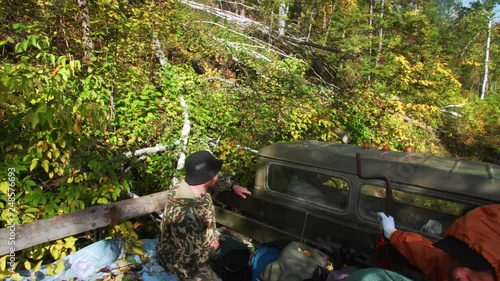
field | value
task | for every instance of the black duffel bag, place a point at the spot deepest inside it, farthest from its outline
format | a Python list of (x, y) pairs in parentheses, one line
[(233, 265)]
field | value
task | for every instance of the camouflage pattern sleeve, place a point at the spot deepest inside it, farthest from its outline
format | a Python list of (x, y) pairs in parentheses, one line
[(224, 184)]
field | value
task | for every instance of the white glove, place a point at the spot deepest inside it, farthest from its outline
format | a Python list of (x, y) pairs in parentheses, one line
[(387, 224), (432, 227)]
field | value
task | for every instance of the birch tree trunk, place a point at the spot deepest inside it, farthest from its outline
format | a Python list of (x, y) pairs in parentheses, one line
[(283, 11), (380, 32), (371, 25), (85, 23), (486, 61), (241, 10), (186, 127)]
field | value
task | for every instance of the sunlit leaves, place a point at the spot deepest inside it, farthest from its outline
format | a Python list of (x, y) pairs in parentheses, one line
[(31, 41), (34, 163)]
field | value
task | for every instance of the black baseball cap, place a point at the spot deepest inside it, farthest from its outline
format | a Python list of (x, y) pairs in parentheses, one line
[(463, 254), (201, 167)]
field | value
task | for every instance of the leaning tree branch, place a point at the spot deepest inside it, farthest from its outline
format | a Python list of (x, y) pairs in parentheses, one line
[(241, 47), (245, 22), (311, 44), (227, 15), (253, 39), (417, 123), (148, 150), (247, 149)]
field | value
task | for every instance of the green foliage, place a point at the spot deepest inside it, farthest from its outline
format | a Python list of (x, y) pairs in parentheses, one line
[(55, 133), (476, 131), (444, 206)]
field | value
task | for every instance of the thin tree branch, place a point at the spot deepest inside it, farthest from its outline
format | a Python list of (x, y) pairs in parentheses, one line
[(468, 44)]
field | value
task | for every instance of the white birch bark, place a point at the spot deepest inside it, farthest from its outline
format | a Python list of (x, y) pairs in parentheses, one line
[(148, 150), (247, 149), (282, 14), (260, 44), (227, 15), (380, 32), (370, 22), (85, 23), (486, 61), (186, 129), (159, 51), (241, 9), (242, 47)]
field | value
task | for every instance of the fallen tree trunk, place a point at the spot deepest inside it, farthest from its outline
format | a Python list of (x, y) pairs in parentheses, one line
[(42, 231)]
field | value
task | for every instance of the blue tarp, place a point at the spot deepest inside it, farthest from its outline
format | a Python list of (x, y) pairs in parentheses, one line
[(109, 256)]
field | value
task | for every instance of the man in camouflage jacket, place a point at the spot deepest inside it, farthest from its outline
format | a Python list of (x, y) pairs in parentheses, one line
[(188, 231)]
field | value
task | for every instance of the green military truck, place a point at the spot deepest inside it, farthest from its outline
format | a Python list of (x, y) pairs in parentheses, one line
[(327, 194), (324, 195)]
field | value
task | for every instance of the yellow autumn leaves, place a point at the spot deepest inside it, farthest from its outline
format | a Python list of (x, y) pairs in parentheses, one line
[(417, 73), (59, 250)]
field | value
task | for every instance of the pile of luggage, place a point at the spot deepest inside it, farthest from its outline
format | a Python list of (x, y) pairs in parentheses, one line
[(294, 262)]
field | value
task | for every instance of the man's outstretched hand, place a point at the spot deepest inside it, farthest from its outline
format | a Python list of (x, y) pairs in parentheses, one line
[(241, 191), (215, 244)]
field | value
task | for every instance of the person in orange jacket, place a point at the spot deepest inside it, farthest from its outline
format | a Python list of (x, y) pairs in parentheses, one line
[(469, 251)]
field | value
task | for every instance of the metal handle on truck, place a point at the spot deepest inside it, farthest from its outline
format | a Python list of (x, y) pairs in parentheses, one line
[(388, 197)]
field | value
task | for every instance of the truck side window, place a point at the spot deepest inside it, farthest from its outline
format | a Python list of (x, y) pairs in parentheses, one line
[(426, 214), (309, 186), (372, 199)]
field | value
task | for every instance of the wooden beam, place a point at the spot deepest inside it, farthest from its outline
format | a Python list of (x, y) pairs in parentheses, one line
[(41, 231)]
